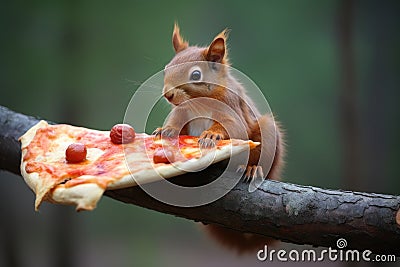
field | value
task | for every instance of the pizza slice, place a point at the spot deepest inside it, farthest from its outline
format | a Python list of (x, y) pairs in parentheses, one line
[(74, 165)]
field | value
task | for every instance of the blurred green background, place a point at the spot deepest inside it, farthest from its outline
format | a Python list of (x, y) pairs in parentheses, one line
[(329, 69)]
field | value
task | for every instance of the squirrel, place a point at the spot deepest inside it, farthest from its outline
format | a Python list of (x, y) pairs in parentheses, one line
[(203, 73)]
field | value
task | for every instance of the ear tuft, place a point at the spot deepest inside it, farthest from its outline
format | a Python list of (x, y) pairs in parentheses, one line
[(224, 34), (217, 51), (177, 41)]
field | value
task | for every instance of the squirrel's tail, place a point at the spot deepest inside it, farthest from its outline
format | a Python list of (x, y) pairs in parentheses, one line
[(238, 241), (247, 242)]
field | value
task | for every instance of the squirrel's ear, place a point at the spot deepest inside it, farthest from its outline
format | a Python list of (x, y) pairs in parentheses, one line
[(177, 40), (217, 51)]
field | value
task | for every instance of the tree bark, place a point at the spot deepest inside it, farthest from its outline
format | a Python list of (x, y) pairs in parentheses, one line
[(291, 213)]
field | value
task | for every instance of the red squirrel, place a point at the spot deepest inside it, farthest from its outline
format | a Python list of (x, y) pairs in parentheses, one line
[(203, 72)]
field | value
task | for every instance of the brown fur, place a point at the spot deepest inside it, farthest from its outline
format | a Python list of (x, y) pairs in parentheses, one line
[(223, 124), (238, 241)]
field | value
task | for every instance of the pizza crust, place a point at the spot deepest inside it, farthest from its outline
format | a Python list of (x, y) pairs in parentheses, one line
[(32, 179), (85, 195)]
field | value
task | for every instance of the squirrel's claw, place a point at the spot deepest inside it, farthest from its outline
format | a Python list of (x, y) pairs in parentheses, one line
[(251, 172), (206, 143), (241, 168), (157, 132), (169, 132), (209, 139), (166, 132)]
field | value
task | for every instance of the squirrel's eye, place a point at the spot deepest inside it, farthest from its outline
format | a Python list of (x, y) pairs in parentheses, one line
[(196, 75)]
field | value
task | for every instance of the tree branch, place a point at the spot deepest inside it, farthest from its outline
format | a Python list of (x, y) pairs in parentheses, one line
[(292, 213)]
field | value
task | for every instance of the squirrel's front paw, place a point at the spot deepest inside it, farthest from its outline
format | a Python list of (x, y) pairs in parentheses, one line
[(166, 132), (251, 172), (208, 139)]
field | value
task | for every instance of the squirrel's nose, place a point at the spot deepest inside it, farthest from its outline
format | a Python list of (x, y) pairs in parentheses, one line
[(169, 95)]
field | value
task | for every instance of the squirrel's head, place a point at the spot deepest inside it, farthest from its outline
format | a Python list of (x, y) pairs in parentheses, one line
[(195, 71)]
